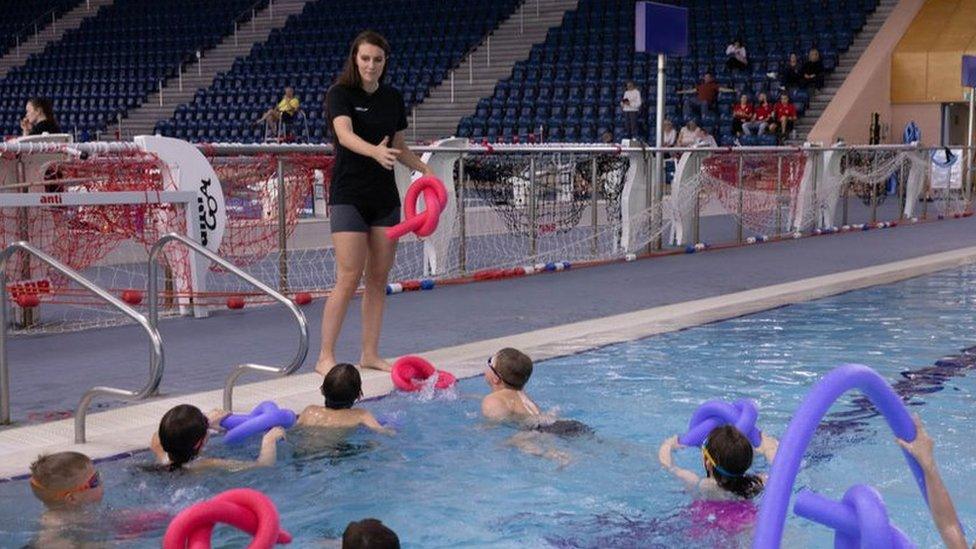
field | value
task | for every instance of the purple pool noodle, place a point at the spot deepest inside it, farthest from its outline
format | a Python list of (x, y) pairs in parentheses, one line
[(714, 413), (772, 511), (264, 417), (860, 519)]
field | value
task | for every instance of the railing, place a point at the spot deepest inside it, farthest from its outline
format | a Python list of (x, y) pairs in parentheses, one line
[(37, 25), (156, 361), (153, 305)]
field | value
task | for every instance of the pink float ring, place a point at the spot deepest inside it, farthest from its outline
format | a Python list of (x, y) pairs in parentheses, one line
[(243, 508), (410, 372), (425, 223)]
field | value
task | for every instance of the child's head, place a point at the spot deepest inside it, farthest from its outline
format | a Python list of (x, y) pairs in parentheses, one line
[(369, 534), (727, 454), (342, 386), (65, 479), (509, 368), (182, 433)]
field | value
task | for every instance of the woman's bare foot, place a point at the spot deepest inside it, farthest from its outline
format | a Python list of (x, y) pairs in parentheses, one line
[(375, 363), (324, 364)]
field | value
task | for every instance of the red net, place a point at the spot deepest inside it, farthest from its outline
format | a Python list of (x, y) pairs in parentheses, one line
[(250, 186), (83, 236), (768, 183)]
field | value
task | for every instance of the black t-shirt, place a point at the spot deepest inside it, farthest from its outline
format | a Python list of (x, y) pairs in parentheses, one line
[(356, 179), (45, 126)]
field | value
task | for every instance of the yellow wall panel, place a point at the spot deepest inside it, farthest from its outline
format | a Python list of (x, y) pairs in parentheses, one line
[(908, 70), (926, 63)]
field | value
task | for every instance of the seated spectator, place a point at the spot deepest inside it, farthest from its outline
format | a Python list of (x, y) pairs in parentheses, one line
[(284, 112), (668, 135), (742, 113), (813, 70), (631, 104), (39, 117), (606, 137), (791, 75), (691, 134), (736, 59), (785, 113), (706, 93), (762, 117)]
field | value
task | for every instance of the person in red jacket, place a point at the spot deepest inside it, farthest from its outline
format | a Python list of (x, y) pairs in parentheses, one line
[(742, 113), (785, 114), (762, 116)]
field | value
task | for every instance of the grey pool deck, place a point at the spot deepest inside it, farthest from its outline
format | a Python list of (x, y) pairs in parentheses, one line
[(456, 326)]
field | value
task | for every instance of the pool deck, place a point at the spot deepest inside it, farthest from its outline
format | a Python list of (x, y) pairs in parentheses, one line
[(455, 326)]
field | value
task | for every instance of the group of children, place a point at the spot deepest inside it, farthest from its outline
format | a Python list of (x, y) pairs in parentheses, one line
[(67, 482)]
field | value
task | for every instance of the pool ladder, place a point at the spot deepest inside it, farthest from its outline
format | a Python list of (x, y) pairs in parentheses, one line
[(286, 370), (155, 348)]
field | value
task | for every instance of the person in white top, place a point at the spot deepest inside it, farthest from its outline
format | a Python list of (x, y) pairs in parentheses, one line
[(631, 104), (691, 134), (736, 58), (669, 136)]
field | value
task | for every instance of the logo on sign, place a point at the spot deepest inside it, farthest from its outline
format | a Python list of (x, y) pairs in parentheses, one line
[(51, 199), (207, 210)]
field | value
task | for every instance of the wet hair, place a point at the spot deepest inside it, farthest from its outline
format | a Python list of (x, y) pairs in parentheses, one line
[(513, 366), (181, 433), (59, 471), (732, 453), (46, 107), (369, 534), (342, 386), (350, 71)]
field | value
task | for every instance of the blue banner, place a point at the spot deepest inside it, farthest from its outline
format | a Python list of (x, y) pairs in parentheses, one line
[(969, 71), (660, 28)]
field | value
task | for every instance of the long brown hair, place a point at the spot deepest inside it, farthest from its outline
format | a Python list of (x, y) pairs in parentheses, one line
[(732, 454), (46, 107), (350, 72)]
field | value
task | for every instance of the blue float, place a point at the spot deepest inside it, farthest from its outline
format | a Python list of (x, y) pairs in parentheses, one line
[(779, 487), (264, 417), (714, 413)]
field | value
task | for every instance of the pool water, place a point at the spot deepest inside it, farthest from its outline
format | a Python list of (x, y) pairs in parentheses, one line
[(448, 479)]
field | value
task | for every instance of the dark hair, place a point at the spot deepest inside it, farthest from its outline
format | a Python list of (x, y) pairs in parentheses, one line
[(369, 534), (513, 366), (350, 72), (342, 386), (732, 453), (46, 107), (181, 433)]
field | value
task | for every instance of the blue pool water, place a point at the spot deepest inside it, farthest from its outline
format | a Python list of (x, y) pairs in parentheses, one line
[(449, 480)]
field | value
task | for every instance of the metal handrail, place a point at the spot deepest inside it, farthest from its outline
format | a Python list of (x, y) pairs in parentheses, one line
[(156, 359), (38, 24), (153, 305)]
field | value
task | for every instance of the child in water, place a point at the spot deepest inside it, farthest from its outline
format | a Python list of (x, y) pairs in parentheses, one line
[(184, 431), (342, 387), (69, 486), (726, 456)]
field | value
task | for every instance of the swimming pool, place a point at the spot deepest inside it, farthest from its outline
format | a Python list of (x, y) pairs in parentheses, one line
[(448, 480)]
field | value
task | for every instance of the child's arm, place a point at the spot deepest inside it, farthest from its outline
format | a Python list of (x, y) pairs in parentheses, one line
[(539, 444), (768, 447), (367, 420), (940, 503), (269, 447), (664, 456)]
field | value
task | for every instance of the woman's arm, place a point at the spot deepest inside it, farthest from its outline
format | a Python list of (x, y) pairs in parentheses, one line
[(664, 456), (348, 139), (768, 447), (407, 157)]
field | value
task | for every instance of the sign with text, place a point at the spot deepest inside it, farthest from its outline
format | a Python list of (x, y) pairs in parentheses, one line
[(969, 71), (660, 28)]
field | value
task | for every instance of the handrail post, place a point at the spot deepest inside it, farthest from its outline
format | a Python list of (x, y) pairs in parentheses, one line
[(4, 376), (462, 222), (533, 230), (739, 190), (282, 230), (594, 198)]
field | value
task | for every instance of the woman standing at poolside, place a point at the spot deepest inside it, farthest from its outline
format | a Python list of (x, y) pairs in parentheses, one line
[(368, 119)]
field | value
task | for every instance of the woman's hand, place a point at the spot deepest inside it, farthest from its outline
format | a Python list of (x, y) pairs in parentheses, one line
[(386, 156), (25, 124), (216, 416), (427, 171)]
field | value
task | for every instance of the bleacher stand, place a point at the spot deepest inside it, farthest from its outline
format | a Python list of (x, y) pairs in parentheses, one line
[(115, 60), (428, 38), (17, 19), (571, 85)]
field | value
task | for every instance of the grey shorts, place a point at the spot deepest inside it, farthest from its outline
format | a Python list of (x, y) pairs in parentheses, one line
[(346, 218)]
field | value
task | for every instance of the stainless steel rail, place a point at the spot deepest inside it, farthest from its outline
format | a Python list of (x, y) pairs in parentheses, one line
[(156, 359), (153, 305)]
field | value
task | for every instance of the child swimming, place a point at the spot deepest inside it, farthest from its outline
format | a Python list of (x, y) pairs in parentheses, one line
[(726, 456), (68, 485), (342, 387), (184, 431)]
